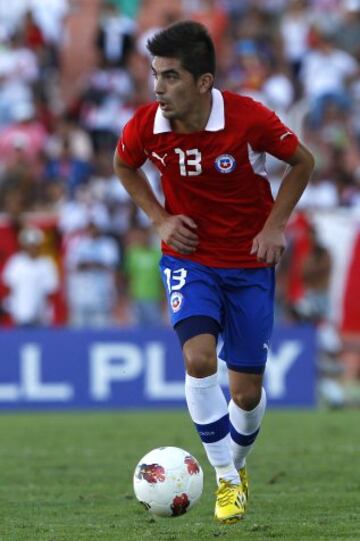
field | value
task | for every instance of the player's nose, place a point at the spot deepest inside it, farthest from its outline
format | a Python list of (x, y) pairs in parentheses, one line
[(159, 87)]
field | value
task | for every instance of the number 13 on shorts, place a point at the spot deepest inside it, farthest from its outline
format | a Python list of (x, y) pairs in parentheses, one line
[(175, 279)]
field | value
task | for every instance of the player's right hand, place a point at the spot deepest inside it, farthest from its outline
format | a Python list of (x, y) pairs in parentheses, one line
[(178, 232)]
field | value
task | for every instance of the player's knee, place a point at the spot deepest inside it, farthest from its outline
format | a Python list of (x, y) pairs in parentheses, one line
[(200, 363), (247, 399)]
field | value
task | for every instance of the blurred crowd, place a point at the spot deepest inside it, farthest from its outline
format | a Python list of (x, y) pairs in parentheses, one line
[(74, 249)]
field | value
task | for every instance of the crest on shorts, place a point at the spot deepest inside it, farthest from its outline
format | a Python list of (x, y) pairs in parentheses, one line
[(225, 163), (176, 301)]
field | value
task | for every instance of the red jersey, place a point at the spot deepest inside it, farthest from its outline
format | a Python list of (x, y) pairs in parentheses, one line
[(216, 176)]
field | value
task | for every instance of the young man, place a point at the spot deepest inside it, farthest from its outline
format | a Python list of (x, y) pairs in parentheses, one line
[(222, 234)]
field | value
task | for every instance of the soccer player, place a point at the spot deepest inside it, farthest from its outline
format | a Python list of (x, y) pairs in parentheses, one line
[(222, 235)]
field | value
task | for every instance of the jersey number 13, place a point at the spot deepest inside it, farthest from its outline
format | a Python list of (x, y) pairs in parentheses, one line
[(189, 162)]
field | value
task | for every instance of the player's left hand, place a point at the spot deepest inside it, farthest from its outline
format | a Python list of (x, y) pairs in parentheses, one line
[(269, 245)]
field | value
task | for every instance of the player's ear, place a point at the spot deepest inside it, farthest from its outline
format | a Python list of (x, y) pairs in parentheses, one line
[(205, 82)]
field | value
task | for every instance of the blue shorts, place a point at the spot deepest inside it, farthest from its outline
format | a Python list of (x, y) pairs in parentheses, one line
[(240, 300)]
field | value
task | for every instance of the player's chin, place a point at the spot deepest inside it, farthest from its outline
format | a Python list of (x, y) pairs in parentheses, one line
[(168, 111), (169, 115)]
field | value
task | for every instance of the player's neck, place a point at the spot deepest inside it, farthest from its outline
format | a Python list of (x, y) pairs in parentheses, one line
[(197, 119)]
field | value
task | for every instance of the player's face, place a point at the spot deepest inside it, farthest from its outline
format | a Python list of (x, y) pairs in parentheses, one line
[(175, 88)]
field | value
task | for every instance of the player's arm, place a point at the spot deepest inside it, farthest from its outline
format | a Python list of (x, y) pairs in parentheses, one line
[(269, 244), (177, 231)]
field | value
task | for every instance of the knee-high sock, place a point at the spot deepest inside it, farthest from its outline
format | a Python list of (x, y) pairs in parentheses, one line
[(208, 409), (244, 428)]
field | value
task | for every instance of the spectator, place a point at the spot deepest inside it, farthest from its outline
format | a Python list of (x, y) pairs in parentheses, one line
[(26, 136), (68, 129), (294, 29), (348, 31), (141, 264), (9, 242), (21, 151), (109, 192), (74, 215), (33, 36), (325, 74), (19, 69), (31, 279), (92, 262), (314, 304), (50, 16), (115, 37), (103, 107), (68, 169)]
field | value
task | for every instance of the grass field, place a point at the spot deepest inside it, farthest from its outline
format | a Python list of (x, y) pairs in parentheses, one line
[(68, 477)]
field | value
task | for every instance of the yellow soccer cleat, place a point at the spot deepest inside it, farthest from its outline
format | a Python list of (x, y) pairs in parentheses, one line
[(244, 482), (230, 502)]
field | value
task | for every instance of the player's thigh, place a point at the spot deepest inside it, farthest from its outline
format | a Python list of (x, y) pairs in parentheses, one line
[(191, 290), (195, 306), (248, 320)]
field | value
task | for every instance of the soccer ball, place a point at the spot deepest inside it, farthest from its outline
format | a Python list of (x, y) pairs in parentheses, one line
[(168, 481)]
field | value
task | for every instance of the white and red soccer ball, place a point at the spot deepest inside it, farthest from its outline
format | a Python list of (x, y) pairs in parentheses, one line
[(168, 481)]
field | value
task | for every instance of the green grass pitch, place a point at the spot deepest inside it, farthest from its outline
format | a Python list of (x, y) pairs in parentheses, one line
[(68, 477)]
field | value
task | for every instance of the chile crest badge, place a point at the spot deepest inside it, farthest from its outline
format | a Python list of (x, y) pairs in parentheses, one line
[(225, 163)]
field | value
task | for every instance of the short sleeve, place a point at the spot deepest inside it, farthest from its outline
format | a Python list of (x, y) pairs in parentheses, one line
[(129, 147), (269, 134)]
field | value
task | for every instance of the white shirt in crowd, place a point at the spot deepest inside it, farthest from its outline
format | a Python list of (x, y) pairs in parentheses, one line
[(294, 29), (30, 281), (91, 290), (49, 15), (326, 73)]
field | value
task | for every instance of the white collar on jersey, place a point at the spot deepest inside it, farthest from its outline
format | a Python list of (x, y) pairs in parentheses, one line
[(216, 120)]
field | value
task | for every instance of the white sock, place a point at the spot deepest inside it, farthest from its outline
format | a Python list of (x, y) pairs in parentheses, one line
[(208, 409), (244, 428)]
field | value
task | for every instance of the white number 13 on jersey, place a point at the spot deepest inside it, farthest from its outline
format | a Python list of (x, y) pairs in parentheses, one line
[(189, 162)]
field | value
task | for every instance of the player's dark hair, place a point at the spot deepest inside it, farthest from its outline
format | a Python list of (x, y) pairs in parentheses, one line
[(188, 41)]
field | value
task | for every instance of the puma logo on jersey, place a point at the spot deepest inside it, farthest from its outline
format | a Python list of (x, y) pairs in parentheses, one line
[(282, 137), (160, 158)]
